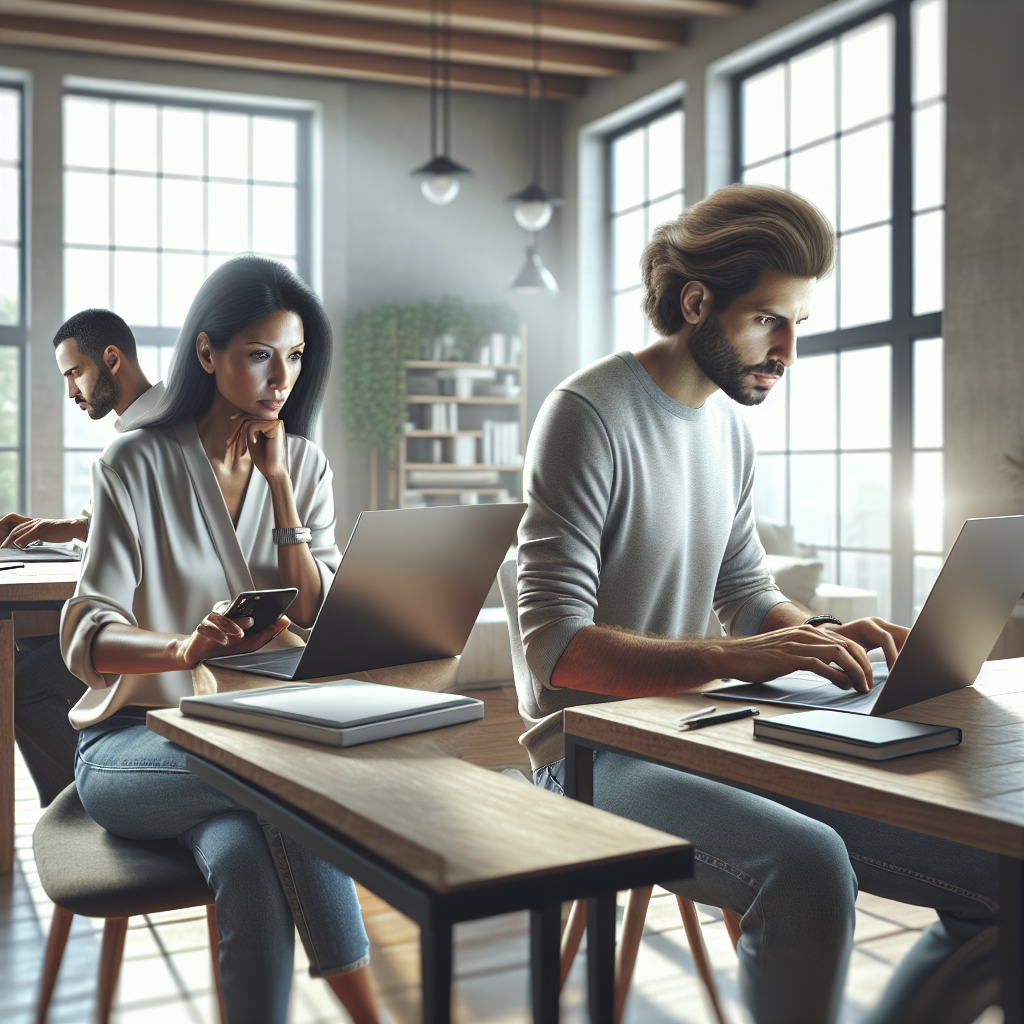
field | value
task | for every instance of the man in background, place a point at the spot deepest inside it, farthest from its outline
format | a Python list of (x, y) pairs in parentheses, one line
[(97, 355)]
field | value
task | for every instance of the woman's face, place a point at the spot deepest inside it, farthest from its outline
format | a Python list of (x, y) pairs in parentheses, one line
[(259, 366)]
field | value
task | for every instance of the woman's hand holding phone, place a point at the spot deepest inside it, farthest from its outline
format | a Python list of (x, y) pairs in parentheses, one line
[(217, 634)]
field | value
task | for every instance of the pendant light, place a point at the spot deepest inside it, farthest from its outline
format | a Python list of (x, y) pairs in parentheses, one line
[(534, 278), (534, 205), (440, 175)]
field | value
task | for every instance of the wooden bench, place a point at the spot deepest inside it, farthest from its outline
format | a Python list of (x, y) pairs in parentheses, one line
[(443, 841)]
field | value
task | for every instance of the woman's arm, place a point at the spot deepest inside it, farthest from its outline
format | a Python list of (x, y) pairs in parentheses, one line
[(119, 648), (295, 562), (267, 444)]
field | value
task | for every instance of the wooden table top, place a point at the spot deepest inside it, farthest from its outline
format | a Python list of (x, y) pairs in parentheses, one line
[(39, 581), (451, 824), (973, 793)]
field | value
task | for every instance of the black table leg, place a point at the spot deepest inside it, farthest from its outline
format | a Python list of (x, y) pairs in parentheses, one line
[(545, 963), (1011, 914), (579, 771), (601, 957), (436, 971)]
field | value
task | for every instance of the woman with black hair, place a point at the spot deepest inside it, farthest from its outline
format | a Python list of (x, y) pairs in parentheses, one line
[(182, 523)]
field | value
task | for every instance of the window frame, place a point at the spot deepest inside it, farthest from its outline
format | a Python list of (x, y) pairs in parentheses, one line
[(164, 338), (16, 335), (167, 336), (903, 328), (610, 215)]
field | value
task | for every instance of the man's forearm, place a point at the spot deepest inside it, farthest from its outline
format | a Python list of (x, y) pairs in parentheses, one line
[(781, 616), (620, 663)]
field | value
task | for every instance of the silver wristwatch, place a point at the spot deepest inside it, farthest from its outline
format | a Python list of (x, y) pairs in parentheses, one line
[(293, 535)]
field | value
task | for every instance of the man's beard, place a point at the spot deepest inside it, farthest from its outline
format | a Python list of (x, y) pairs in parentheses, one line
[(715, 355), (106, 393)]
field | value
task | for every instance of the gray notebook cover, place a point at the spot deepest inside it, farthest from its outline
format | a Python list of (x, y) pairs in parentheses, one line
[(874, 739), (343, 713)]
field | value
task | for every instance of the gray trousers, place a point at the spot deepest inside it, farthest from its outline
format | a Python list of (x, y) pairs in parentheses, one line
[(44, 692), (792, 871)]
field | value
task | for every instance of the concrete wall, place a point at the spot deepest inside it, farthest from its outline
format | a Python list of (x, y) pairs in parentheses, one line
[(984, 317), (381, 241)]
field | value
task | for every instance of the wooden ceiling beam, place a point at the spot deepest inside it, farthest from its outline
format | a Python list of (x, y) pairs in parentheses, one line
[(579, 25), (321, 31), (264, 56), (667, 8)]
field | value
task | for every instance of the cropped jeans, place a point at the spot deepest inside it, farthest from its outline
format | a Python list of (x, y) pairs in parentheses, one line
[(792, 871), (134, 783)]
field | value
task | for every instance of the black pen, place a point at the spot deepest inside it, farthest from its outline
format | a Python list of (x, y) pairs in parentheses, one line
[(728, 716)]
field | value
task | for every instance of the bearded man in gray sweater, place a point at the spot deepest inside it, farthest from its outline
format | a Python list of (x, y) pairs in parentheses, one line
[(639, 478)]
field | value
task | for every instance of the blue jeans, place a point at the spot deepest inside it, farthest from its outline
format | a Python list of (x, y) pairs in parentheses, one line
[(792, 871), (134, 783)]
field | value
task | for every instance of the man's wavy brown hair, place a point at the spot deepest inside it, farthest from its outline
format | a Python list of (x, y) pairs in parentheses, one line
[(727, 242)]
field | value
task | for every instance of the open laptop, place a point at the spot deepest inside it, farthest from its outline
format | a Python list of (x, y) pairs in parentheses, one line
[(409, 588), (979, 584)]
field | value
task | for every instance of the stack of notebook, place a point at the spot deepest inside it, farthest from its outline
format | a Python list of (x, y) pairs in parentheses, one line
[(343, 714)]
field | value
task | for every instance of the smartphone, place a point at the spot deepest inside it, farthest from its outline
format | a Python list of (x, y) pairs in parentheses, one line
[(263, 606)]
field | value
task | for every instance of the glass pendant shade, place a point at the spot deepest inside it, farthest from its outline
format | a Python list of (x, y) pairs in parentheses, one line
[(534, 278), (440, 180), (439, 189), (534, 207)]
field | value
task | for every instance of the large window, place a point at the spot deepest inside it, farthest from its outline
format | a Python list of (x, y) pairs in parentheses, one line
[(850, 442), (12, 299), (646, 189), (156, 196)]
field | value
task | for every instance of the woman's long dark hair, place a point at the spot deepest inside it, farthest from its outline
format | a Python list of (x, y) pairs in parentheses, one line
[(239, 293)]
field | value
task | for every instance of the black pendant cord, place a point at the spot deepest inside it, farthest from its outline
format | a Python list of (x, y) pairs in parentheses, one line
[(536, 105), (433, 78), (446, 43)]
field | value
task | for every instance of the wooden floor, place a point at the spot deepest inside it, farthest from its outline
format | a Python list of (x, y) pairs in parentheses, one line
[(166, 974)]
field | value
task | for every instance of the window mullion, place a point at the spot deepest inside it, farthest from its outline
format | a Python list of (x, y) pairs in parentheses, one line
[(902, 350)]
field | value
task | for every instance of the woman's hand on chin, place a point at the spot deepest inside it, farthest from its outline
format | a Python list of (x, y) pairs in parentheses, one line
[(217, 634), (266, 442)]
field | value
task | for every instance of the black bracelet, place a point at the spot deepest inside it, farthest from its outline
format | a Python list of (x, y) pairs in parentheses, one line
[(823, 620)]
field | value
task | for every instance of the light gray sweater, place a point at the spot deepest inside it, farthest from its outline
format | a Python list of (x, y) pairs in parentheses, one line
[(640, 515)]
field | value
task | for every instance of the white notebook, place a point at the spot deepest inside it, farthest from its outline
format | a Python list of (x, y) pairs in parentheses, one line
[(342, 714)]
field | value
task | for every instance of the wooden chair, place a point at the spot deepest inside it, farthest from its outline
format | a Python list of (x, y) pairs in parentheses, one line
[(638, 899), (86, 870)]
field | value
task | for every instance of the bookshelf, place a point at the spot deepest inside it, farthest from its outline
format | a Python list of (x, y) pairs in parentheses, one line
[(465, 433)]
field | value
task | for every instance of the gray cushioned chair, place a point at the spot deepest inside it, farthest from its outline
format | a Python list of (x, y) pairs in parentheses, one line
[(635, 910), (86, 870)]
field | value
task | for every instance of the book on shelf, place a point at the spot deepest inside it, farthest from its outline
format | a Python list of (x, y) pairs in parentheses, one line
[(501, 443), (443, 416), (464, 451), (500, 350)]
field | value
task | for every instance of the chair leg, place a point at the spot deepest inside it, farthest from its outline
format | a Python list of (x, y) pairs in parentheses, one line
[(699, 951), (732, 926), (211, 927), (633, 918), (572, 937), (60, 926), (114, 931)]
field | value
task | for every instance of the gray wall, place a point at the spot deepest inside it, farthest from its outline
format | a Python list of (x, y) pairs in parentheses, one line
[(984, 318), (381, 241)]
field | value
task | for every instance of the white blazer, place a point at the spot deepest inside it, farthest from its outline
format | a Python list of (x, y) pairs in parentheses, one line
[(162, 552)]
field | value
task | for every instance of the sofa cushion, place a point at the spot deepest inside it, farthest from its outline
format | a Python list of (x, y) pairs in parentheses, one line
[(797, 578), (777, 539)]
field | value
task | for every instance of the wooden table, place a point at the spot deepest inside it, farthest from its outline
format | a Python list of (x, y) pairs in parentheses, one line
[(972, 794), (438, 838), (30, 601)]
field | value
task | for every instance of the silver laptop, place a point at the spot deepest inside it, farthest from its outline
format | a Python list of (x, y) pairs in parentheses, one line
[(409, 588), (979, 584)]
